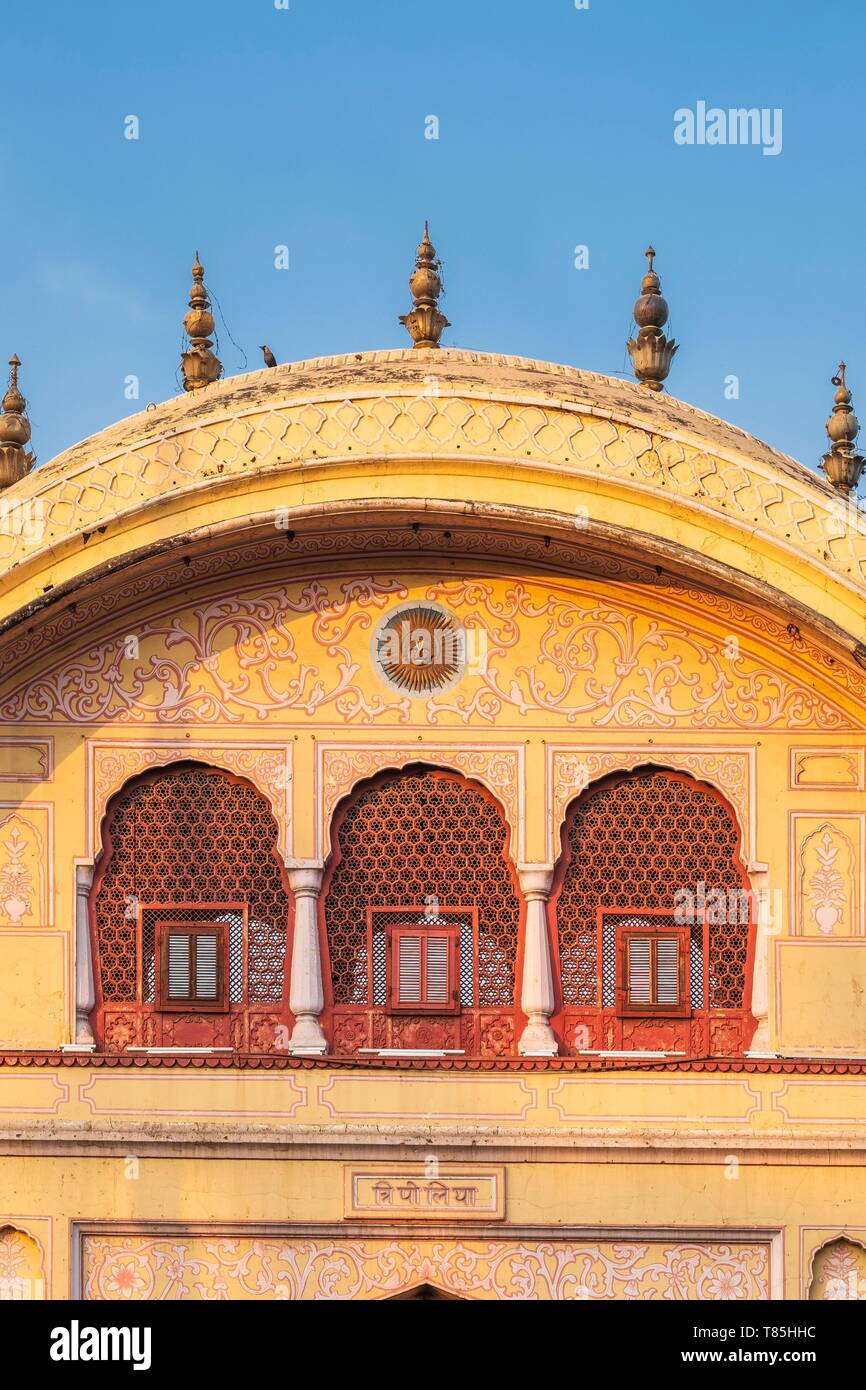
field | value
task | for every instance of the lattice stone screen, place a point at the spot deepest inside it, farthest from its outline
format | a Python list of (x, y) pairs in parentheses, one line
[(188, 843)]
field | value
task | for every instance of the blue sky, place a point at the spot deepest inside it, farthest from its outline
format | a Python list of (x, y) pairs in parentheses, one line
[(305, 127)]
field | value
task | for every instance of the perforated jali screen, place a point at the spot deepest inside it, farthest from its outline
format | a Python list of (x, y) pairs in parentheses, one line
[(189, 835), (412, 838), (632, 842)]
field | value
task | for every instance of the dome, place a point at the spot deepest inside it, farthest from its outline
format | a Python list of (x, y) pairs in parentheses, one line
[(503, 449)]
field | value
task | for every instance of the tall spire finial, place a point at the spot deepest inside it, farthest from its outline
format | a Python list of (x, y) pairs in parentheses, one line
[(15, 460), (842, 466), (424, 322), (651, 353), (199, 365)]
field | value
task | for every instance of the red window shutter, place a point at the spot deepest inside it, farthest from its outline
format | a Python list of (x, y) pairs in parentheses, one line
[(667, 971), (437, 975), (654, 971), (424, 970), (640, 970), (192, 971), (409, 968)]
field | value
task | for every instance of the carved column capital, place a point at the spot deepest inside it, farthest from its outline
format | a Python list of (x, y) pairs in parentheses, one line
[(305, 877), (536, 881)]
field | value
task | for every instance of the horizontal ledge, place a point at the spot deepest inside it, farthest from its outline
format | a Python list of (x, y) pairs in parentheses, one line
[(413, 1051), (178, 1051), (642, 1052)]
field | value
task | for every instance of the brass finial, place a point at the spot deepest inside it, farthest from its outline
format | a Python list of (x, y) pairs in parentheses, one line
[(15, 460), (842, 466), (424, 322), (651, 353), (199, 365)]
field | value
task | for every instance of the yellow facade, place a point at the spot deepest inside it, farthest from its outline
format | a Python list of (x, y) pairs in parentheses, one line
[(641, 585)]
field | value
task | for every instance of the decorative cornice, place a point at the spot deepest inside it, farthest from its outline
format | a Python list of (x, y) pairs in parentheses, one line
[(788, 1066)]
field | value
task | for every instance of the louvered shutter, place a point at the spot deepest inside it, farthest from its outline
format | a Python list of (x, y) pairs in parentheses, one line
[(192, 965), (178, 966), (409, 968), (640, 981), (667, 971), (424, 970), (437, 980), (654, 970), (206, 966)]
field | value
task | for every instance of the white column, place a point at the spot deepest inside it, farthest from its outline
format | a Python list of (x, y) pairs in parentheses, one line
[(85, 988), (537, 997), (760, 881), (306, 994)]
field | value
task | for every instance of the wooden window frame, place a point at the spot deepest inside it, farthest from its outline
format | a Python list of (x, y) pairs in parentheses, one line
[(162, 931), (156, 907), (414, 925), (666, 928)]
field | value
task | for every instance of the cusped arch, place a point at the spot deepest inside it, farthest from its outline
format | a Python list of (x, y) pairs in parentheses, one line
[(267, 767), (499, 769), (644, 849), (194, 845), (421, 847), (730, 772), (24, 895)]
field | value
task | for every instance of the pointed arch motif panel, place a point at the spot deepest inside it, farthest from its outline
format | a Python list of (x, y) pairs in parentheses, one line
[(26, 864), (22, 1264), (829, 872), (836, 1268)]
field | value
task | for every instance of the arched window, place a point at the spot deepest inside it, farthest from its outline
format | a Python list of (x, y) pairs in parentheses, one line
[(653, 917), (189, 910), (421, 914)]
